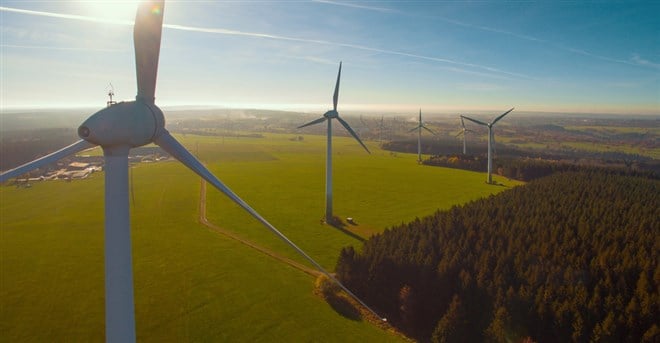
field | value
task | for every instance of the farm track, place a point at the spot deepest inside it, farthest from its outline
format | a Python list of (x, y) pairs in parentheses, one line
[(227, 233), (364, 312)]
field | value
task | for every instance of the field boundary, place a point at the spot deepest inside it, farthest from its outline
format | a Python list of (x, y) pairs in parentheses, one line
[(204, 221)]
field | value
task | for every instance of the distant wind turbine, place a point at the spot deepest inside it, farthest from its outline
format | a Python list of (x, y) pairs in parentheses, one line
[(419, 128), (380, 129), (464, 132), (328, 116), (117, 129), (490, 140), (363, 126)]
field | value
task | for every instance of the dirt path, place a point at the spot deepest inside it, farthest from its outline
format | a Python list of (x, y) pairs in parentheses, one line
[(215, 228), (365, 313)]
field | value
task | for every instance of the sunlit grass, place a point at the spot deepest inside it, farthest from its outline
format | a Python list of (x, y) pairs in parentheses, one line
[(192, 284)]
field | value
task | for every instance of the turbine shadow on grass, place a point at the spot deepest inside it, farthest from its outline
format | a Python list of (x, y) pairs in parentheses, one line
[(344, 307), (336, 298), (495, 183), (338, 224)]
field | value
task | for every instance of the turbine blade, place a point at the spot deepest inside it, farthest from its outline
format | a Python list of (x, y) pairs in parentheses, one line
[(415, 128), (335, 98), (348, 128), (146, 39), (475, 121), (462, 132), (315, 121), (462, 122), (427, 129), (48, 159), (501, 116), (174, 148)]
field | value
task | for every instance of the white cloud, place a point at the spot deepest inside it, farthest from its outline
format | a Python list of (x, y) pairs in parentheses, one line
[(644, 62)]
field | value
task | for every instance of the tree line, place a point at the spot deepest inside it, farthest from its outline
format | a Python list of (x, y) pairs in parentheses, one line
[(452, 147), (569, 257), (527, 169), (22, 146)]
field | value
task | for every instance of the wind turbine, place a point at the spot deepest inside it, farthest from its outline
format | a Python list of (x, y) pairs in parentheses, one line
[(490, 140), (419, 128), (464, 132), (363, 126), (117, 129), (328, 116), (380, 129)]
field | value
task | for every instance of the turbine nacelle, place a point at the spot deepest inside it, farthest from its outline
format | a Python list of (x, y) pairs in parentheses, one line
[(331, 114), (132, 124)]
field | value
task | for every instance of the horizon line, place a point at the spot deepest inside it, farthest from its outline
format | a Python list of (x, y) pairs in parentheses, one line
[(350, 109)]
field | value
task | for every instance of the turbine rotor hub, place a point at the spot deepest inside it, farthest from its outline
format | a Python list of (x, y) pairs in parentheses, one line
[(331, 114)]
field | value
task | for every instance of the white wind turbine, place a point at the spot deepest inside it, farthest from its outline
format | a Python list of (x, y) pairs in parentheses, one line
[(380, 129), (419, 128), (490, 140), (117, 129), (329, 115), (464, 132)]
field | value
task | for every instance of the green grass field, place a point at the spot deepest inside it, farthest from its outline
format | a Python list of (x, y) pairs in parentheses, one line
[(614, 129), (585, 146), (192, 284)]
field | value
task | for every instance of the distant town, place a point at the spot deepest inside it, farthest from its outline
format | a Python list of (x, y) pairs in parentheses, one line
[(82, 166)]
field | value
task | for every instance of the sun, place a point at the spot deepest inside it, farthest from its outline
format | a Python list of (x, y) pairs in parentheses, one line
[(120, 10)]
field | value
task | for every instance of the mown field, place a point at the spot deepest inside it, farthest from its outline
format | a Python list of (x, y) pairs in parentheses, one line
[(192, 284)]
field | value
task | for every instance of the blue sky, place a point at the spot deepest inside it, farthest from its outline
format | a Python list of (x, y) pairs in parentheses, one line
[(398, 56)]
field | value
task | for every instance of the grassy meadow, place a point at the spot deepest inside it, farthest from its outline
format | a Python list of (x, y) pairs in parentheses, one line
[(585, 145), (192, 284)]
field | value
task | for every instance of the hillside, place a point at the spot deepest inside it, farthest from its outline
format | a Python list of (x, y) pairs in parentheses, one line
[(570, 257)]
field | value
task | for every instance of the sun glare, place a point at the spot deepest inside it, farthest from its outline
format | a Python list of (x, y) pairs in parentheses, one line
[(120, 10)]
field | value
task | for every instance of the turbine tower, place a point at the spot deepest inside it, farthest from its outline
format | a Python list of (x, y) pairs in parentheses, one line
[(419, 128), (464, 132), (328, 116), (117, 129), (490, 140), (380, 129)]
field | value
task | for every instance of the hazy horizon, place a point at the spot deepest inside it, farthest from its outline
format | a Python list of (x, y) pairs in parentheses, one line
[(85, 111)]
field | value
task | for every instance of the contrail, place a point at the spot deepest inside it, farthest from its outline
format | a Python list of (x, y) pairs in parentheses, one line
[(634, 61), (353, 5), (604, 58), (56, 48), (66, 16), (490, 29), (344, 45), (277, 37)]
